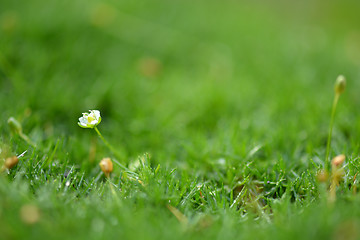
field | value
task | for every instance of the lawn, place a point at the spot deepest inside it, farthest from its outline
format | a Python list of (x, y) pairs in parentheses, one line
[(217, 114)]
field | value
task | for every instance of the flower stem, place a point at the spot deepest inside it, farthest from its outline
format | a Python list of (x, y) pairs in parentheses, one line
[(327, 161), (116, 153), (332, 194), (27, 139), (108, 144)]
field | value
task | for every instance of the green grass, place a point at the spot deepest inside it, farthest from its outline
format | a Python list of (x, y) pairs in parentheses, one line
[(221, 108)]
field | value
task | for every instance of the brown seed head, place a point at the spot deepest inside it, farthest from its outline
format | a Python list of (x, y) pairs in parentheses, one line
[(338, 160), (106, 166), (340, 84), (11, 162)]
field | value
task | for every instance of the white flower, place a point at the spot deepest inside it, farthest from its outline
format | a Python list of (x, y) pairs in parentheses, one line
[(90, 120)]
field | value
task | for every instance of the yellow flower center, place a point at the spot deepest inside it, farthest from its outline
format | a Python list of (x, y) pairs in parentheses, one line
[(90, 119)]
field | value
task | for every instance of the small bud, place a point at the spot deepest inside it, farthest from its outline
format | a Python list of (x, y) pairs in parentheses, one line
[(322, 176), (179, 215), (338, 160), (150, 67), (30, 214), (106, 166), (340, 84), (14, 125), (11, 162), (103, 15)]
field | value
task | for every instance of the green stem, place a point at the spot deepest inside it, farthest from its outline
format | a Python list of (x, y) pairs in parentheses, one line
[(113, 190), (332, 191), (116, 153), (27, 139), (327, 161), (108, 144)]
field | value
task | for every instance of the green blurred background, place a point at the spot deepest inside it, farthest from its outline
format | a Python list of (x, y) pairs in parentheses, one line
[(191, 81)]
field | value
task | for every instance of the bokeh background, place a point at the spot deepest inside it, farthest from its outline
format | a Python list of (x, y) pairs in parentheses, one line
[(191, 82)]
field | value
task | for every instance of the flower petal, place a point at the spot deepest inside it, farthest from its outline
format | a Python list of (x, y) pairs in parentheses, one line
[(97, 113), (90, 120), (81, 125), (83, 120)]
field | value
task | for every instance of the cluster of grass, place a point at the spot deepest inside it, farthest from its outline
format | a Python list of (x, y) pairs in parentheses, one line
[(221, 109)]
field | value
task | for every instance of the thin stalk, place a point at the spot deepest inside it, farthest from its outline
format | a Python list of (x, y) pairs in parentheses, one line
[(108, 144), (113, 192), (327, 161), (117, 154), (27, 139), (332, 194)]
